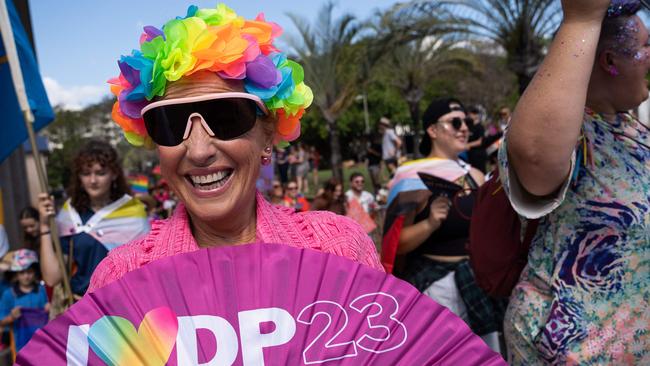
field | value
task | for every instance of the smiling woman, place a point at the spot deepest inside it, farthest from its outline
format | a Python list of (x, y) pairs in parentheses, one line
[(213, 94)]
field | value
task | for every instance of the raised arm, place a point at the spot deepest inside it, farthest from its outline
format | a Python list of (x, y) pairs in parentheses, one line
[(546, 123), (49, 264)]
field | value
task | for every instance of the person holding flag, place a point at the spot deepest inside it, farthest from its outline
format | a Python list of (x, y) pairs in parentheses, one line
[(99, 216)]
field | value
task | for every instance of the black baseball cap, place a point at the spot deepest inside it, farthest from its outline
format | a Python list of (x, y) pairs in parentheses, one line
[(434, 111)]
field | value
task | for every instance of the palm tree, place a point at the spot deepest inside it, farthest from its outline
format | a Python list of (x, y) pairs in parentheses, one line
[(330, 59), (521, 27), (414, 65), (415, 41)]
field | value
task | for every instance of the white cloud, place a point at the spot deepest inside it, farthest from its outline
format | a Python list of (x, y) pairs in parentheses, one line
[(75, 97)]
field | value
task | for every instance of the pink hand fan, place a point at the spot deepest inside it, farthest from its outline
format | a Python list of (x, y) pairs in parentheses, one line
[(257, 304)]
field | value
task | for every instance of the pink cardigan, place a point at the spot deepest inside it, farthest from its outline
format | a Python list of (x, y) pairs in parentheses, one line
[(320, 230)]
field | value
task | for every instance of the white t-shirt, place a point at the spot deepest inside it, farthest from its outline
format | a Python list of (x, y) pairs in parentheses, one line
[(366, 200), (4, 241), (388, 144)]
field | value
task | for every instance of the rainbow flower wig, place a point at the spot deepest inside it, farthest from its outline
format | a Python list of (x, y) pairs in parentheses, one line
[(216, 40)]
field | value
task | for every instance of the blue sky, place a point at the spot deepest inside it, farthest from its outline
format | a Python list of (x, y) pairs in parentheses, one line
[(78, 42)]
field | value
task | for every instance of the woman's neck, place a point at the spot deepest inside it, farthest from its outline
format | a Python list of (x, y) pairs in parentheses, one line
[(598, 102), (99, 203), (228, 231), (441, 154)]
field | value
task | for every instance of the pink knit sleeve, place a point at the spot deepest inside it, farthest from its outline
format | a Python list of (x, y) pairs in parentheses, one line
[(358, 245), (106, 272), (342, 236), (118, 262)]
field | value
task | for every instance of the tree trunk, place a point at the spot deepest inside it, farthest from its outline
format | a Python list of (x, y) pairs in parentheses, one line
[(414, 110), (335, 147)]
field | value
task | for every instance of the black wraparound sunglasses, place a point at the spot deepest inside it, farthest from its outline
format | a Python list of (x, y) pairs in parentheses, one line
[(225, 116)]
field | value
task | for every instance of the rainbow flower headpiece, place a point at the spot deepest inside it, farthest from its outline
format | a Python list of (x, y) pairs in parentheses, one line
[(216, 40)]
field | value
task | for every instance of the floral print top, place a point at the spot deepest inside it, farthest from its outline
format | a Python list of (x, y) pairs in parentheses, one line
[(583, 298)]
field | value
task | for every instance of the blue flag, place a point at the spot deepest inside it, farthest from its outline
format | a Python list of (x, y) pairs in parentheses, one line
[(12, 126)]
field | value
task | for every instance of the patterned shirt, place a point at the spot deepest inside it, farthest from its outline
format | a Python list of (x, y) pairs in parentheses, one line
[(583, 297)]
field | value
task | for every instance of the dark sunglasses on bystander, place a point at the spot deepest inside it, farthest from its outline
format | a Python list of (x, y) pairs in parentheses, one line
[(457, 122)]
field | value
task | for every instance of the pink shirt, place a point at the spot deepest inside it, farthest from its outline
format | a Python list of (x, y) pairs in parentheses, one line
[(319, 230)]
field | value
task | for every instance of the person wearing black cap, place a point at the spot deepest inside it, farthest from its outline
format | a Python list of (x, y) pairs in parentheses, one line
[(432, 227)]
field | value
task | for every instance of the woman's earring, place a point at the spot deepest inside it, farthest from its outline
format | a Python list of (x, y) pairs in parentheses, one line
[(266, 158), (613, 70)]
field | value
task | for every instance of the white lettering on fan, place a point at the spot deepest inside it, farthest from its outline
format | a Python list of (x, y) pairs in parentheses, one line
[(384, 333)]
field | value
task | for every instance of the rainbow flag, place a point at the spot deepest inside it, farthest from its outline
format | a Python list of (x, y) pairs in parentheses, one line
[(139, 184)]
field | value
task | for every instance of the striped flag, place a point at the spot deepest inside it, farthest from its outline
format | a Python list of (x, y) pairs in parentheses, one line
[(139, 184)]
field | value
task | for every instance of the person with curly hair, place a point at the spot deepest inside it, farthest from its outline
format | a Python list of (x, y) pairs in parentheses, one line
[(99, 216)]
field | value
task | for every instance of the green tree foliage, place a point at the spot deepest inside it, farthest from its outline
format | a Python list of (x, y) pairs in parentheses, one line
[(400, 59), (71, 129), (416, 64), (522, 28), (66, 133), (330, 61)]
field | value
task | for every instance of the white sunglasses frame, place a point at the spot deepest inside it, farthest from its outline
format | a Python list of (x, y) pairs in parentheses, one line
[(201, 98)]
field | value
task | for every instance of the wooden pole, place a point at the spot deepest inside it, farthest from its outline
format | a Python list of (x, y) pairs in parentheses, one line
[(28, 118), (54, 230)]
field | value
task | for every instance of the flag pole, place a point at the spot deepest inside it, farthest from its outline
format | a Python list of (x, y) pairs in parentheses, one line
[(28, 118)]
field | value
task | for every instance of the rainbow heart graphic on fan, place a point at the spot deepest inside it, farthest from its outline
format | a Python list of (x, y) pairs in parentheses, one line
[(115, 340)]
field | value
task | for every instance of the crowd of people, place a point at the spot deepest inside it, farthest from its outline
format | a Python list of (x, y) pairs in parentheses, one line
[(569, 155)]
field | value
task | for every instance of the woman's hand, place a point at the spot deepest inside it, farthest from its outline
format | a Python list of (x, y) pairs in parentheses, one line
[(45, 210), (15, 313), (438, 211), (413, 235), (585, 10)]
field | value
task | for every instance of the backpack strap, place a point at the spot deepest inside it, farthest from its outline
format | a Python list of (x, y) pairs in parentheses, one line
[(471, 182)]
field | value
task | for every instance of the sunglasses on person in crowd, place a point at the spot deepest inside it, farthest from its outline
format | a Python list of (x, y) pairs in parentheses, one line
[(457, 122), (225, 116), (291, 188)]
